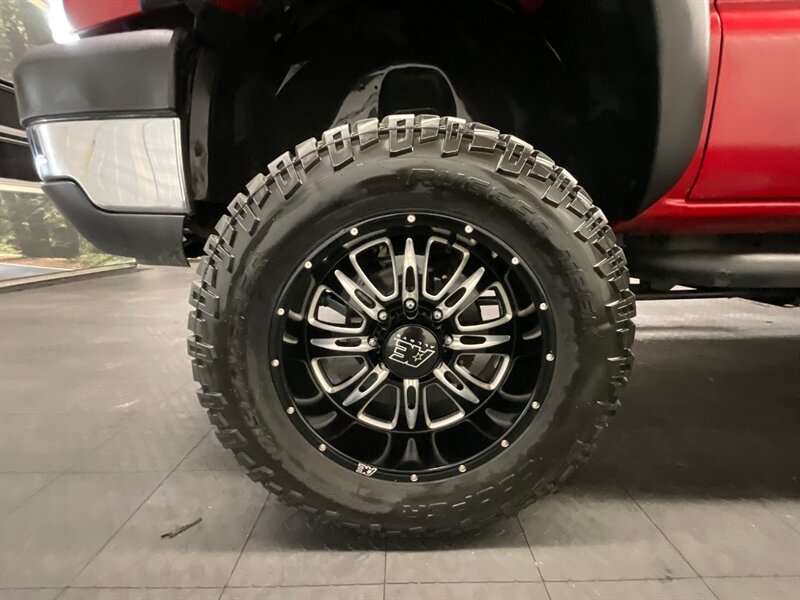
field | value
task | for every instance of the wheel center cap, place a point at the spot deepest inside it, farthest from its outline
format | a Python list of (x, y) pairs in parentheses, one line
[(411, 351)]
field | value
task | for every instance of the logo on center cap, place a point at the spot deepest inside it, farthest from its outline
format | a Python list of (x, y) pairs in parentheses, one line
[(411, 352)]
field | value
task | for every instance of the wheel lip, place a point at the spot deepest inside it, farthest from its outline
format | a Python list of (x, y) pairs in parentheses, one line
[(502, 444)]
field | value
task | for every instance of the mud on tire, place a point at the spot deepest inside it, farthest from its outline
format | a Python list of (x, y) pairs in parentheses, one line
[(413, 164)]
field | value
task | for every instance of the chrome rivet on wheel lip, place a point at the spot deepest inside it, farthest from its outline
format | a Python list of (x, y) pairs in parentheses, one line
[(307, 264), (462, 468), (354, 231), (411, 218), (468, 229), (383, 315), (414, 477), (322, 447), (543, 306), (275, 362), (290, 410), (504, 443), (514, 260), (281, 312), (536, 405), (549, 357)]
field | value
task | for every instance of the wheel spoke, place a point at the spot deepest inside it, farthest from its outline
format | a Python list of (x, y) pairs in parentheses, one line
[(333, 320), (363, 415), (461, 296), (533, 334), (454, 384), (451, 277), (477, 342), (343, 344), (411, 401), (326, 384), (410, 274), (368, 385), (439, 422), (496, 378), (493, 298), (360, 300), (366, 277)]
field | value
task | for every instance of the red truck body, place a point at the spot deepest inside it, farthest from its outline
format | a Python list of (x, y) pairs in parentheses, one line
[(745, 175)]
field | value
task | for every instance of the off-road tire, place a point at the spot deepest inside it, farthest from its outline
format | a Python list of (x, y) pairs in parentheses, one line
[(282, 214)]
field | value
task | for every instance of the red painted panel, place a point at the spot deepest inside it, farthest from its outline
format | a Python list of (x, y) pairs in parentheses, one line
[(679, 216), (739, 212), (83, 14), (754, 145)]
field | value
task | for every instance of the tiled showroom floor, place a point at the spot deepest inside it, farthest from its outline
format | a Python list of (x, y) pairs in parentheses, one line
[(693, 493)]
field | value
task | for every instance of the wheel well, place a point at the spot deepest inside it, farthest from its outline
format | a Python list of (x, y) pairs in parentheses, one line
[(577, 80)]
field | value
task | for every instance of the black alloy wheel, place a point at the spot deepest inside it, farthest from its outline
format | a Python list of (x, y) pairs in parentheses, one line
[(412, 345)]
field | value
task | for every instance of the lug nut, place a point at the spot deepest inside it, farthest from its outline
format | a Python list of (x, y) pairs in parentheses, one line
[(383, 315), (410, 304), (437, 315), (275, 362), (411, 218), (372, 341), (448, 339)]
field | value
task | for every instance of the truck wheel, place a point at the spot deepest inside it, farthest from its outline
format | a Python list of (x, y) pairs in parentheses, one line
[(412, 326)]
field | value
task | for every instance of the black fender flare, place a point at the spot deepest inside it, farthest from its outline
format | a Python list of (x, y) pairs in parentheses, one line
[(683, 28)]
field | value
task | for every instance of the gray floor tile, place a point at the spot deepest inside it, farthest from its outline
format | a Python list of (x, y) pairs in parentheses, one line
[(499, 554), (141, 594), (466, 591), (41, 443), (286, 550), (675, 589), (786, 509), (121, 340), (594, 531), (755, 588), (314, 592), (182, 400), (727, 537), (209, 455), (30, 594), (15, 488), (202, 556), (53, 535), (154, 444)]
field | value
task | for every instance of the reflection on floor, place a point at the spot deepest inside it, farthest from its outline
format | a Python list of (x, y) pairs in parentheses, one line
[(693, 493)]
